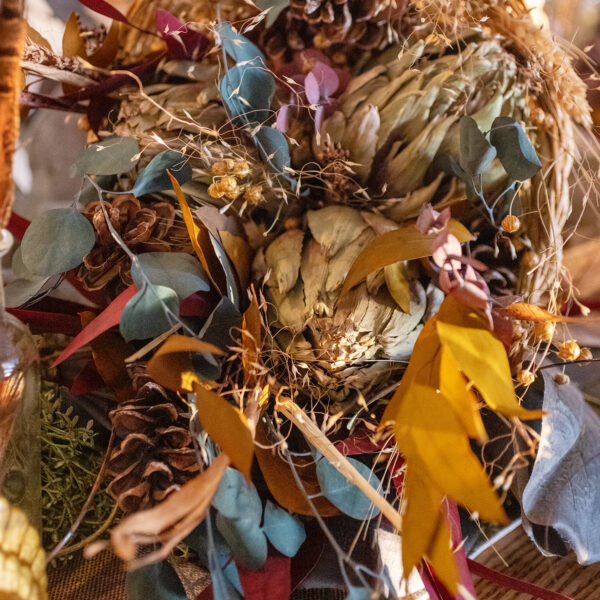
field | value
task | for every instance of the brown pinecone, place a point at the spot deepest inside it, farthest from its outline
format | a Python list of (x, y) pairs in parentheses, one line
[(150, 227), (364, 24), (156, 455)]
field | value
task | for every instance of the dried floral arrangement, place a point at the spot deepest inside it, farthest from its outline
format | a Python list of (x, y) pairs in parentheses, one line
[(323, 239)]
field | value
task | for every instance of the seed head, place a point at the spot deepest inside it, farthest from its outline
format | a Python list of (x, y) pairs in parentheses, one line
[(241, 169), (569, 350), (544, 330), (525, 377), (511, 224), (562, 379), (253, 194), (219, 168), (215, 190)]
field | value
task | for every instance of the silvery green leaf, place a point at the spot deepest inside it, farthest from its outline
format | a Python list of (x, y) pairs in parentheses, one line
[(145, 316), (236, 498), (154, 177), (20, 291), (181, 272), (157, 581), (111, 156), (274, 148), (515, 151), (359, 593), (230, 278), (275, 7), (476, 153), (562, 496), (237, 46), (345, 495), (283, 530), (56, 241), (246, 539)]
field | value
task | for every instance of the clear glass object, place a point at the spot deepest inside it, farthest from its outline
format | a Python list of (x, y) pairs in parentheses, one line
[(20, 422)]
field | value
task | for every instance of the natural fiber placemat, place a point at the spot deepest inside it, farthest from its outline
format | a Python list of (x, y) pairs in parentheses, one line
[(516, 555)]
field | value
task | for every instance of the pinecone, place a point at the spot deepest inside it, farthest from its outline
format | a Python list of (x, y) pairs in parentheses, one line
[(156, 455), (364, 24), (335, 346), (150, 227)]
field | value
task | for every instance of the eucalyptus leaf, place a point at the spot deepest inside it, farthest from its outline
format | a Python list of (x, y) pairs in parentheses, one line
[(246, 539), (20, 271), (157, 581), (181, 272), (275, 7), (344, 495), (154, 178), (240, 48), (90, 194), (21, 291), (515, 151), (111, 156), (562, 496), (236, 498), (476, 153), (274, 147), (283, 530), (359, 593), (230, 278), (248, 91), (56, 242), (144, 315)]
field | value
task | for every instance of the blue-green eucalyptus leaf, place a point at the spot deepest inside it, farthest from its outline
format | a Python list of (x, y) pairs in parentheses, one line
[(246, 540), (517, 155), (283, 530), (240, 48), (344, 495), (476, 153), (154, 178), (274, 148), (158, 581), (144, 315), (56, 242), (359, 593), (275, 7), (237, 498), (111, 156), (181, 272)]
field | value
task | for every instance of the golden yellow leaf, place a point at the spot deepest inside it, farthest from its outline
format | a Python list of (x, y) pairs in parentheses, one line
[(432, 439), (227, 427), (481, 357), (72, 42), (171, 366), (422, 512), (251, 336), (240, 254), (200, 238), (398, 285), (455, 388), (521, 311), (441, 557), (405, 243), (37, 38)]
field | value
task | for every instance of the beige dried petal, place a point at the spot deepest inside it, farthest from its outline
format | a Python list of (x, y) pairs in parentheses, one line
[(361, 137), (314, 272), (291, 310), (334, 227), (283, 257), (340, 263)]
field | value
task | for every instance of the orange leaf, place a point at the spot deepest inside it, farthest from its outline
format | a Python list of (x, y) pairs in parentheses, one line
[(240, 254), (405, 243), (172, 363), (227, 426), (481, 357), (281, 481), (72, 42), (105, 54), (201, 243)]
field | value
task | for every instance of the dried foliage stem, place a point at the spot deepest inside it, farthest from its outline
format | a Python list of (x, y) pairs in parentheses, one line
[(319, 440)]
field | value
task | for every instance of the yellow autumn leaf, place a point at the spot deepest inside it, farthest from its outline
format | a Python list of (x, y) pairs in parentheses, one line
[(251, 336), (521, 311), (481, 357), (171, 366), (432, 439), (398, 285), (227, 427), (240, 254), (441, 556), (200, 238), (404, 243)]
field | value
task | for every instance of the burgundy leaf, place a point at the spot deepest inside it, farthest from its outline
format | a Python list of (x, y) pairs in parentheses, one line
[(105, 9), (183, 43)]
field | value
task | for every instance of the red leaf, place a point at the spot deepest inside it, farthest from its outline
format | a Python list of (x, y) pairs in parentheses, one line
[(183, 43), (105, 9), (87, 381), (358, 443), (108, 318), (271, 582), (47, 322), (17, 226), (512, 583), (432, 584), (196, 305)]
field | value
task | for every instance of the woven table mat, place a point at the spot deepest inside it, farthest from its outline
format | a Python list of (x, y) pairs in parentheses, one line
[(516, 555)]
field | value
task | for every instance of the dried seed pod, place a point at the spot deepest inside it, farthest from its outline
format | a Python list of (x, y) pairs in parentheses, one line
[(241, 169), (253, 194), (544, 330), (215, 190), (586, 354), (525, 377), (219, 169), (569, 350), (511, 224), (562, 379)]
